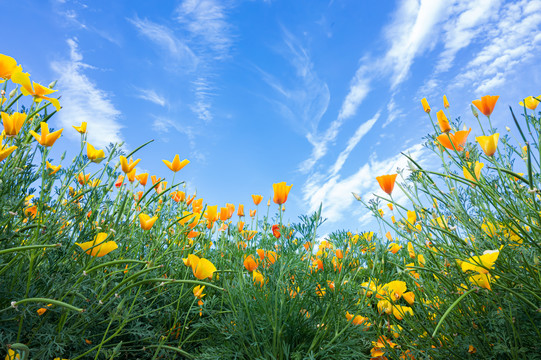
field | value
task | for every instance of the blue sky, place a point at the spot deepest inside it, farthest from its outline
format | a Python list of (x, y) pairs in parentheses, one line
[(321, 94)]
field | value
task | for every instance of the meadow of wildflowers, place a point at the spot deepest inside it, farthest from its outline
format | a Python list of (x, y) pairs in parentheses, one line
[(97, 261)]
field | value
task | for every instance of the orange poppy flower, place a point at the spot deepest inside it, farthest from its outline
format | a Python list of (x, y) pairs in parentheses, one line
[(458, 139), (443, 122), (276, 231), (486, 104), (252, 213), (426, 107), (146, 221), (142, 178), (386, 182), (257, 199), (281, 190), (250, 264), (240, 212)]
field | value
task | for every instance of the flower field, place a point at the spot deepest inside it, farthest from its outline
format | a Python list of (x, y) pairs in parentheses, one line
[(99, 261)]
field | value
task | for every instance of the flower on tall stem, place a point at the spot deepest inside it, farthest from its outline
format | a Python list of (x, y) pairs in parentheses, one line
[(36, 90), (489, 143), (13, 123), (46, 139), (281, 191), (386, 182), (486, 104), (454, 141)]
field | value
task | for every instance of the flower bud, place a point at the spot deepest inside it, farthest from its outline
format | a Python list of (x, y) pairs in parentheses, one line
[(2, 92), (52, 85), (12, 93), (507, 128), (474, 111)]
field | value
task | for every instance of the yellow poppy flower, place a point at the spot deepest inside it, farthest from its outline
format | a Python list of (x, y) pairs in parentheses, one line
[(98, 247), (46, 138), (176, 164)]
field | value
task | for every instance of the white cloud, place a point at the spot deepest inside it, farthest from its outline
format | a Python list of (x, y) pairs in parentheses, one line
[(463, 27), (151, 95), (206, 22), (411, 33), (336, 193), (362, 130), (83, 101), (511, 41), (304, 100), (184, 58), (359, 89)]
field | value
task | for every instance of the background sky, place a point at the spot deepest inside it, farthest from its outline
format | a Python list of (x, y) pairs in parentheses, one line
[(321, 94)]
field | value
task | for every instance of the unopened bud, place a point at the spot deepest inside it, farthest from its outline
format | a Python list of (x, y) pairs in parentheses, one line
[(12, 93), (356, 196), (53, 84), (507, 128), (474, 111), (14, 304), (2, 92)]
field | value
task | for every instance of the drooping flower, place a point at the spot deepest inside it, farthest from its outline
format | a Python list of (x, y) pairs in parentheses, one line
[(13, 123), (46, 138), (257, 199), (386, 182), (426, 107), (486, 104), (81, 129), (248, 234), (281, 191), (98, 247), (489, 143), (36, 90), (443, 122), (96, 156), (127, 167), (457, 139), (530, 102), (176, 164), (146, 221)]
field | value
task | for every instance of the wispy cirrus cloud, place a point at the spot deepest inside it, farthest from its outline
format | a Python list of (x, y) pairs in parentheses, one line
[(180, 55), (205, 20), (150, 95), (82, 101), (514, 38), (335, 192), (304, 98), (408, 36)]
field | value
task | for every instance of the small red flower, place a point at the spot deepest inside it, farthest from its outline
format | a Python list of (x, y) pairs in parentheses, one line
[(276, 231)]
